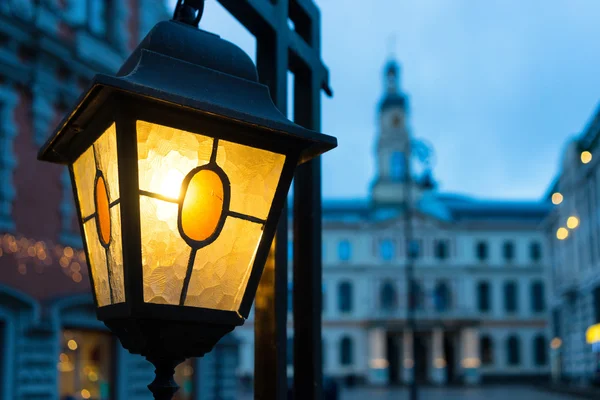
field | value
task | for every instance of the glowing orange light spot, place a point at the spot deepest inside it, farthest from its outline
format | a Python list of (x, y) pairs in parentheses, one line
[(202, 205), (102, 211)]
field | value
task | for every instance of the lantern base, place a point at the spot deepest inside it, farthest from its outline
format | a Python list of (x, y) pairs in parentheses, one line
[(160, 340), (164, 386)]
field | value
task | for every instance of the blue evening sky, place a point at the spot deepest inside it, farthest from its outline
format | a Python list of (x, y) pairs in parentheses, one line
[(496, 86)]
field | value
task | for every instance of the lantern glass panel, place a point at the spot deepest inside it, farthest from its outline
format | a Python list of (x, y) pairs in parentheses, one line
[(97, 186), (203, 206)]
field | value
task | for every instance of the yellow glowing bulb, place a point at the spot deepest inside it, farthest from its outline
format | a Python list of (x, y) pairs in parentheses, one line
[(586, 157), (555, 343), (72, 345), (86, 394), (92, 376), (572, 222), (64, 357), (171, 183), (557, 198), (562, 233)]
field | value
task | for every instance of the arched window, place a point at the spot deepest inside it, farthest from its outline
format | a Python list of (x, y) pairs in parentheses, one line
[(481, 250), (540, 350), (344, 250), (535, 251), (346, 351), (486, 347), (442, 297), (483, 297), (508, 251), (510, 297), (397, 166), (417, 296), (345, 297), (386, 249), (538, 300), (388, 296), (513, 350)]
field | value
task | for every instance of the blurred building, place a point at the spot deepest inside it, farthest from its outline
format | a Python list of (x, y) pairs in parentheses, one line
[(573, 231), (481, 277), (51, 345)]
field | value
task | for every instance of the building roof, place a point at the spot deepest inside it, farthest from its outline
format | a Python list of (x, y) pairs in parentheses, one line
[(442, 206)]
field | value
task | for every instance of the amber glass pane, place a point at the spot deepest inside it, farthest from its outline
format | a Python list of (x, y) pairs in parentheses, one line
[(220, 266), (97, 187), (97, 263), (222, 269), (102, 211), (254, 175), (202, 205)]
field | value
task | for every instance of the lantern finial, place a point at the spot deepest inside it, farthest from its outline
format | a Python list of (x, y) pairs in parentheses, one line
[(189, 11)]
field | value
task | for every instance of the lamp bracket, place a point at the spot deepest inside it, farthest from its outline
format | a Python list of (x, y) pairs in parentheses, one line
[(189, 11)]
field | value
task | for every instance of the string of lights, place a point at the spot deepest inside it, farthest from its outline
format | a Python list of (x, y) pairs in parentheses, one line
[(36, 255)]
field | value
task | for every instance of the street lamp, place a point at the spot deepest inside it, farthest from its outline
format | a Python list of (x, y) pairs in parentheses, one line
[(180, 165)]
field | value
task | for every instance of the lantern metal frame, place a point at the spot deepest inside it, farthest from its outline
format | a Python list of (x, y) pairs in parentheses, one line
[(168, 81)]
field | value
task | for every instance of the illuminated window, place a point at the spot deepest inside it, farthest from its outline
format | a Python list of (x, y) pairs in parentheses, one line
[(344, 250), (86, 365), (184, 376)]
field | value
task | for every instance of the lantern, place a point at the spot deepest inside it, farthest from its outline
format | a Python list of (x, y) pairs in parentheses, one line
[(180, 165)]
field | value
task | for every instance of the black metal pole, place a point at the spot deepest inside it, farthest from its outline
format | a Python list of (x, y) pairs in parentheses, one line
[(270, 326), (308, 374), (411, 321)]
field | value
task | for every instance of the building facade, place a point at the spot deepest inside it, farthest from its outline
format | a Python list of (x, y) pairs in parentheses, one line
[(573, 234), (481, 277), (51, 344)]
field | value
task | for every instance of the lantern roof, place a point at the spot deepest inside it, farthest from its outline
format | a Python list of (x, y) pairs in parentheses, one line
[(183, 66)]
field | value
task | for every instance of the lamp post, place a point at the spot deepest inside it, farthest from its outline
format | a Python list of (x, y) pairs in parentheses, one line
[(423, 153), (180, 165)]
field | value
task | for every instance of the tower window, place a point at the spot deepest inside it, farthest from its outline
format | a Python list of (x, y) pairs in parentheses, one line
[(397, 167), (396, 121)]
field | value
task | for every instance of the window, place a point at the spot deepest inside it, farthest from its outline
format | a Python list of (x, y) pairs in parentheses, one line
[(513, 350), (388, 296), (441, 297), (345, 297), (596, 300), (535, 251), (344, 250), (416, 296), (346, 351), (538, 298), (483, 297), (510, 297), (540, 350), (397, 166), (289, 351), (441, 249), (556, 326), (86, 365), (184, 376), (414, 248), (481, 250), (486, 347), (508, 251), (386, 249)]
